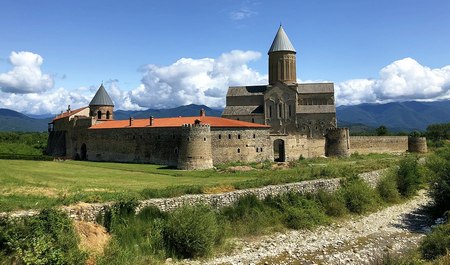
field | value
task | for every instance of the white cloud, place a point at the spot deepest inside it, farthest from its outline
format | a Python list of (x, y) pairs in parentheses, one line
[(198, 81), (52, 101), (26, 75), (401, 80), (242, 13)]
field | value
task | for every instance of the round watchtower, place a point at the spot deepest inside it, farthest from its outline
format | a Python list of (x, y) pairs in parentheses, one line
[(337, 142), (417, 144), (195, 147)]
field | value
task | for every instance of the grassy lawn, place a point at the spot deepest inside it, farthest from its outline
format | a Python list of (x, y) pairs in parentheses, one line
[(38, 184)]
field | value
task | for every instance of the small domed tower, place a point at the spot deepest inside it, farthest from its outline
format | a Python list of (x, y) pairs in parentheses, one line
[(101, 106), (195, 147), (337, 142), (282, 60)]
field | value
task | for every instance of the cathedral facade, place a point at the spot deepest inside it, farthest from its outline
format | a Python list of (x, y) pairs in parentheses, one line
[(290, 108)]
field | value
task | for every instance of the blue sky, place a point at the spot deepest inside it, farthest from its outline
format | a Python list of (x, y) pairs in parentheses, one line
[(374, 51)]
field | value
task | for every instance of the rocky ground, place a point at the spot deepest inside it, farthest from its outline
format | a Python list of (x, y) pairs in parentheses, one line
[(358, 240)]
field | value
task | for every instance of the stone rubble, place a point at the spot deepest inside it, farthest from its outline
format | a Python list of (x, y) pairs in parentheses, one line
[(358, 240)]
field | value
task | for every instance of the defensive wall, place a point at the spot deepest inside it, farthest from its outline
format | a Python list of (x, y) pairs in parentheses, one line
[(91, 212), (378, 144)]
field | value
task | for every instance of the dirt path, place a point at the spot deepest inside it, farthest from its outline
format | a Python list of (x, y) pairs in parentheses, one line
[(358, 240)]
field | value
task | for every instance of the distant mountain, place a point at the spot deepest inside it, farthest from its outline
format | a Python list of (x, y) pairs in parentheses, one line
[(11, 120), (188, 110), (397, 116)]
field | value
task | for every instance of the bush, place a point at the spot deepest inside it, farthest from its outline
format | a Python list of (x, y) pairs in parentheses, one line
[(333, 203), (439, 165), (437, 243), (409, 177), (297, 211), (191, 231), (250, 216), (387, 188), (358, 196), (48, 238)]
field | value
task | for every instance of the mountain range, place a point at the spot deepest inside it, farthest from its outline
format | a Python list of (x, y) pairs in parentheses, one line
[(396, 116)]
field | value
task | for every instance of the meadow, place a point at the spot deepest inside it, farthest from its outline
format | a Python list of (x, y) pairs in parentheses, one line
[(26, 184)]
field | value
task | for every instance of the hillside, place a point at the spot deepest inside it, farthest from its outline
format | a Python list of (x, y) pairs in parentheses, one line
[(187, 110), (397, 116), (15, 121)]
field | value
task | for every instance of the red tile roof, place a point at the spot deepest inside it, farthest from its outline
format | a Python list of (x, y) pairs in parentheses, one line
[(68, 113), (177, 122)]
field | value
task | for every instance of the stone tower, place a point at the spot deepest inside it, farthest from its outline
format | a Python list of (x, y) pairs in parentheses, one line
[(337, 142), (282, 60), (101, 106), (195, 147)]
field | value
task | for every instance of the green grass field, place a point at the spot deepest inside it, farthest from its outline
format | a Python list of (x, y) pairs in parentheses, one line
[(38, 184)]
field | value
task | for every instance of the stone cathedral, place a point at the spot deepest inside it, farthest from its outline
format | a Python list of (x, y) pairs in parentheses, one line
[(288, 107)]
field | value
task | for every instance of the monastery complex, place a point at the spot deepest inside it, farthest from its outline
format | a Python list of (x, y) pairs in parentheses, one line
[(280, 121)]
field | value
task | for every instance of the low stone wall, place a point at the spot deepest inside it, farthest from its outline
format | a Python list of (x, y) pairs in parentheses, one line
[(90, 212), (378, 144)]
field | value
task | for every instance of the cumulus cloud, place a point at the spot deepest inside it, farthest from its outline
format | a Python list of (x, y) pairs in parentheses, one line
[(26, 75), (52, 101), (198, 81), (401, 80)]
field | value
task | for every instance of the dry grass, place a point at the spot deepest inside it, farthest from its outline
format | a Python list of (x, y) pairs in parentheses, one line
[(93, 239)]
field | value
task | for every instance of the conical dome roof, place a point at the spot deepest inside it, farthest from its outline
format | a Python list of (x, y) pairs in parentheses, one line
[(101, 98), (281, 42)]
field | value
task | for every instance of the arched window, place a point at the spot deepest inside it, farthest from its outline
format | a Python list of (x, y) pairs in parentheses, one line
[(99, 114), (107, 115), (239, 150)]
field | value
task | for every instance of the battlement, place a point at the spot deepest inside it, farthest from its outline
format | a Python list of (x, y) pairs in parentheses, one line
[(186, 125)]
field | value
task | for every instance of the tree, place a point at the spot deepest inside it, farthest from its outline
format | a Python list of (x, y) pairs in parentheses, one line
[(382, 130)]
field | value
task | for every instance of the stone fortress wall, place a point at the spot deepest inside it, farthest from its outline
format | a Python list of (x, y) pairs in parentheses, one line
[(378, 144)]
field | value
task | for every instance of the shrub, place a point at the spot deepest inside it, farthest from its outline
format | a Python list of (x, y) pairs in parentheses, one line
[(250, 216), (439, 165), (48, 238), (387, 188), (333, 203), (358, 196), (297, 211), (408, 176), (191, 231), (437, 243)]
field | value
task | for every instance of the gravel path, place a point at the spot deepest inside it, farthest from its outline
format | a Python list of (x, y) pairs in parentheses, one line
[(357, 240)]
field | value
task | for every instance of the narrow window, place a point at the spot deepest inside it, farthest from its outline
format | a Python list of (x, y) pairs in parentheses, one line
[(254, 135), (270, 111), (290, 110), (204, 139), (220, 136), (229, 136), (189, 139), (239, 150), (257, 149), (260, 149), (280, 109), (239, 136), (107, 115), (253, 120), (99, 114)]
